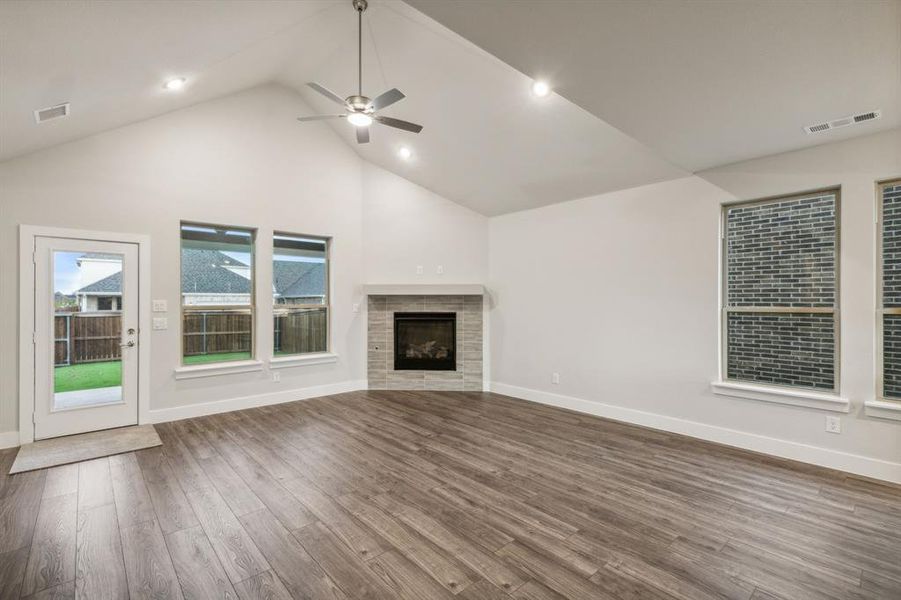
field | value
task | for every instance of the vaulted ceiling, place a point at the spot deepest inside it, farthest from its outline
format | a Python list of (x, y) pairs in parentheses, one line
[(644, 91)]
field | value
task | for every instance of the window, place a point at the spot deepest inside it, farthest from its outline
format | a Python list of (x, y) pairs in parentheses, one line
[(890, 290), (780, 313), (300, 294), (216, 293)]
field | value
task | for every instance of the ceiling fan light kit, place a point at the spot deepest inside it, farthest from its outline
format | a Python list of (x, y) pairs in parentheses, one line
[(359, 109)]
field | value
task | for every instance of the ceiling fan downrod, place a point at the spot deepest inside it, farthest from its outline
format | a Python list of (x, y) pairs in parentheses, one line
[(360, 6)]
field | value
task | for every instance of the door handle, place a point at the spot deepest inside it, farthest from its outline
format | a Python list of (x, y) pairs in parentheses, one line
[(128, 345)]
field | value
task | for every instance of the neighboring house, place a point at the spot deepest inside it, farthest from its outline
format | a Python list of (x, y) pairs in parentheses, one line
[(93, 268), (297, 282), (211, 278), (102, 295)]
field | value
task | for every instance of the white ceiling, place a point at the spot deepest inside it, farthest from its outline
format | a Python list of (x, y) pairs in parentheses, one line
[(487, 143), (705, 83), (688, 82), (110, 58)]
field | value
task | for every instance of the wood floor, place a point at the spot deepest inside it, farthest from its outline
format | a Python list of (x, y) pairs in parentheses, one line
[(432, 496)]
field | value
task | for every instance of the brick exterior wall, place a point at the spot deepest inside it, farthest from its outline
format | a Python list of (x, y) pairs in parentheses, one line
[(782, 254), (891, 290), (783, 349)]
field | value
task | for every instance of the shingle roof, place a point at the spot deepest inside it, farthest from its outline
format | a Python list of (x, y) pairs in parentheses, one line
[(205, 272), (296, 279), (108, 285)]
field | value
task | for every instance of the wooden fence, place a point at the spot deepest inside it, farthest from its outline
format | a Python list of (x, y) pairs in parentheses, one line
[(95, 337), (216, 331), (86, 337), (301, 330)]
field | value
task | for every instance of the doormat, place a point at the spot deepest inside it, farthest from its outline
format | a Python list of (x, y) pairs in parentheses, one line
[(84, 446)]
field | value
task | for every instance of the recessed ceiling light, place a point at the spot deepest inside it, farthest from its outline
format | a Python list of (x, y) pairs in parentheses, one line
[(359, 119), (541, 89), (405, 153), (173, 85)]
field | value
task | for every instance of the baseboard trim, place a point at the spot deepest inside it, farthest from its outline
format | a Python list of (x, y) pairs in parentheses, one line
[(9, 439), (189, 411), (842, 461)]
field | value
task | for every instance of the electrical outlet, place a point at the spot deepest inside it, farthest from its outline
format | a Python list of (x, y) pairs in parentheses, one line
[(833, 424), (440, 270), (555, 378), (160, 323), (159, 306), (276, 376), (356, 307), (419, 270)]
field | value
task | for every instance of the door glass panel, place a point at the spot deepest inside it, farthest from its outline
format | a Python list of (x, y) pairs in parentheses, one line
[(87, 329)]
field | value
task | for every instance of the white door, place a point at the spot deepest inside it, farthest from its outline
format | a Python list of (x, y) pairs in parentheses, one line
[(86, 336)]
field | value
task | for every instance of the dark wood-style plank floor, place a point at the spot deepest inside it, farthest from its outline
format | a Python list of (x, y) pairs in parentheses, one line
[(435, 496)]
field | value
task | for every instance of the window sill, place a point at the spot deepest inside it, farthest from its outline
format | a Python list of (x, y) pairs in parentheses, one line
[(211, 370), (883, 409), (320, 358), (806, 399)]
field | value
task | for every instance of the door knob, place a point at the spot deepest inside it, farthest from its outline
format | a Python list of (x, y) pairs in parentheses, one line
[(128, 345)]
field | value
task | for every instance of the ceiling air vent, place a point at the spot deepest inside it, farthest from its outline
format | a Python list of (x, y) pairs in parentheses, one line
[(817, 128), (51, 112), (867, 116), (843, 122)]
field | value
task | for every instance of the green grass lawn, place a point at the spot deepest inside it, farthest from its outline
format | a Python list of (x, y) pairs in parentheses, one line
[(199, 359), (87, 376), (90, 376)]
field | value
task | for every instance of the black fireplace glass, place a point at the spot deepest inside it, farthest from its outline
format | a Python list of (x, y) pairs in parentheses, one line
[(425, 341)]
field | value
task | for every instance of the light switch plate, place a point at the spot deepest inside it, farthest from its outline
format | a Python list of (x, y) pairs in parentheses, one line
[(159, 306), (160, 323)]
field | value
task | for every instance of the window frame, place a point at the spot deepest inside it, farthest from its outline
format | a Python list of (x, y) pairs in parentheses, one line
[(281, 309), (183, 309), (881, 310), (725, 310)]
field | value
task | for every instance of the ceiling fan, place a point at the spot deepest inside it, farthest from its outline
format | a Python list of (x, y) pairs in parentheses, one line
[(360, 109)]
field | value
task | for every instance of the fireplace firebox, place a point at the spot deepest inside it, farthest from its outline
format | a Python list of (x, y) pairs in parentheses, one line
[(425, 341)]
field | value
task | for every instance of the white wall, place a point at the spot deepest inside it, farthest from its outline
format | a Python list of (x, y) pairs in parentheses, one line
[(239, 160), (619, 294), (406, 226)]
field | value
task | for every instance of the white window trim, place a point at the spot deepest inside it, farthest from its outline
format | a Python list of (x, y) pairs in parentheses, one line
[(883, 409), (184, 371), (213, 369), (756, 391), (789, 396), (299, 360), (311, 358)]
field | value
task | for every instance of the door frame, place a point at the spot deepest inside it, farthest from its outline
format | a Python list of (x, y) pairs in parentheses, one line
[(27, 235)]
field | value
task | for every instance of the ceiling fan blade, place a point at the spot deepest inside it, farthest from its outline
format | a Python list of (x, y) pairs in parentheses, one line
[(387, 99), (320, 117), (399, 124), (326, 92), (362, 135)]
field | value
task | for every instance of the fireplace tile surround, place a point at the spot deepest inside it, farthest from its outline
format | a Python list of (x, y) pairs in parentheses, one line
[(380, 343)]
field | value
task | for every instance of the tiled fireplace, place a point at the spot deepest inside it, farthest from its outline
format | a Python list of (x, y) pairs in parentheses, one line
[(425, 342)]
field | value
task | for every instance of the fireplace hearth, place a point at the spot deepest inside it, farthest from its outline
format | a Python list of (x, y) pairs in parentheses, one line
[(425, 341)]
